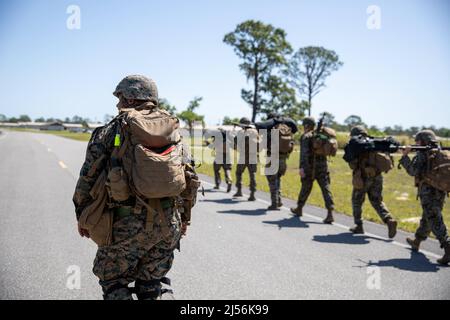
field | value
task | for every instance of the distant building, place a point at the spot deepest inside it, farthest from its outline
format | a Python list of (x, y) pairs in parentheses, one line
[(52, 126)]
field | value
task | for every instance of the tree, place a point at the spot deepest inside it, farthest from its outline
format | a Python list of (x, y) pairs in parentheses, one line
[(328, 119), (309, 68), (189, 116), (40, 120), (280, 98), (165, 104), (228, 121), (3, 118), (262, 48), (24, 118), (353, 120), (77, 119)]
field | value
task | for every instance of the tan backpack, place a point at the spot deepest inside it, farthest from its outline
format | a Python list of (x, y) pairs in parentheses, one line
[(438, 175), (325, 142), (286, 140), (151, 155), (380, 161)]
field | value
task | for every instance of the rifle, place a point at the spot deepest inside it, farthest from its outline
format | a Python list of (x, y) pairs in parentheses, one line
[(361, 144), (320, 124)]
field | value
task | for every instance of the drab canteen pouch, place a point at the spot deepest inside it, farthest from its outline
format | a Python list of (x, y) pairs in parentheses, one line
[(192, 184), (96, 218), (118, 185)]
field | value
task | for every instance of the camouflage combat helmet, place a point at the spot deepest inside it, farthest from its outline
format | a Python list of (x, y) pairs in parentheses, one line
[(245, 121), (358, 131), (427, 136), (309, 121), (137, 87)]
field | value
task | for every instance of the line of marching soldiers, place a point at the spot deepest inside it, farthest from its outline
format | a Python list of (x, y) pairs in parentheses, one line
[(314, 151)]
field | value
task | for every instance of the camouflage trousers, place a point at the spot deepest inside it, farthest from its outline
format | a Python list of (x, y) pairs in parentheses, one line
[(137, 254), (373, 187), (432, 201), (274, 180), (226, 169), (323, 179), (252, 168)]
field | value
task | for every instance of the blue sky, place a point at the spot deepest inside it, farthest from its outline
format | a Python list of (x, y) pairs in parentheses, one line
[(396, 75)]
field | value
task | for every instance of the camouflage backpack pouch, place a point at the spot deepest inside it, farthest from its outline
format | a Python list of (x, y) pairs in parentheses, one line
[(286, 141), (325, 143), (438, 175)]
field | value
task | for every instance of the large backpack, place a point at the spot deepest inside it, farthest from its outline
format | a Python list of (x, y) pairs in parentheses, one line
[(438, 173), (150, 156), (286, 140), (381, 161), (325, 142)]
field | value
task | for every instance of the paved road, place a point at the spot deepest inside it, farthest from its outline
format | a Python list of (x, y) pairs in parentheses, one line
[(234, 249)]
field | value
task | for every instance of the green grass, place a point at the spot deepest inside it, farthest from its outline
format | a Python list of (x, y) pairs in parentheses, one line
[(80, 136), (399, 191)]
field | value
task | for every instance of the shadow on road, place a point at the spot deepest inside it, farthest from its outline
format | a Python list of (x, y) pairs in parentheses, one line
[(346, 238), (417, 263), (293, 222), (220, 201), (256, 212)]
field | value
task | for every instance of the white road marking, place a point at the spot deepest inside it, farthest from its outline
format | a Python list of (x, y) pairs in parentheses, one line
[(341, 226), (62, 165)]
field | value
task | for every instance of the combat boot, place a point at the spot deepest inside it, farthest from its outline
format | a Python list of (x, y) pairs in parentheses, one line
[(229, 188), (118, 292), (392, 228), (357, 229), (252, 197), (414, 243), (298, 212), (279, 203), (273, 207), (445, 260), (216, 187), (238, 193), (329, 219)]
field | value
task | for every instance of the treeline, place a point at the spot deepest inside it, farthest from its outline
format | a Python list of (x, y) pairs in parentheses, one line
[(396, 130), (25, 118)]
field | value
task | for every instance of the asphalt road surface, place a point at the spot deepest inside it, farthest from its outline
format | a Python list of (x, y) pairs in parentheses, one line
[(234, 249)]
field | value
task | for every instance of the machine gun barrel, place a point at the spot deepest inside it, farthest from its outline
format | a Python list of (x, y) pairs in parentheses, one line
[(415, 148)]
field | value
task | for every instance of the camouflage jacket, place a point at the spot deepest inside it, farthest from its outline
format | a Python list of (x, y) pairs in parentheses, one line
[(98, 153), (416, 167), (310, 162)]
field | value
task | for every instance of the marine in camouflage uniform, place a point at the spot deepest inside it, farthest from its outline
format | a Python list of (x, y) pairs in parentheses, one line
[(248, 157), (432, 199), (136, 254), (274, 180), (373, 187), (222, 159), (313, 168)]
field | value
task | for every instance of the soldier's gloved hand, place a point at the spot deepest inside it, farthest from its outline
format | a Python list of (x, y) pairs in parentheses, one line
[(184, 226), (83, 232), (406, 151), (302, 173)]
